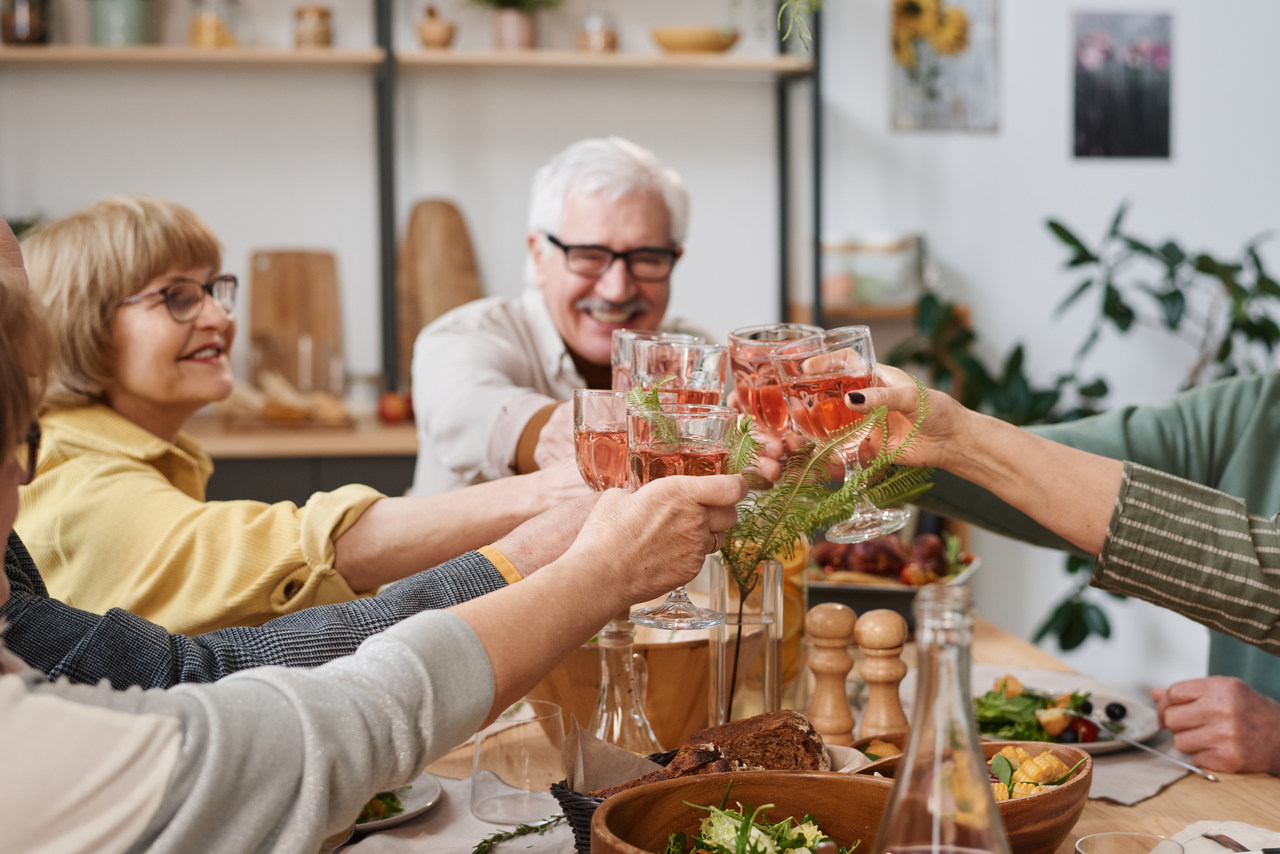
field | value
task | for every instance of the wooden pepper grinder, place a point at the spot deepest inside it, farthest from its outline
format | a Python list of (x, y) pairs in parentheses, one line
[(830, 627), (881, 634)]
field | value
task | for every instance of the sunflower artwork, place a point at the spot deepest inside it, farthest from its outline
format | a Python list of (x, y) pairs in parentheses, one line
[(944, 65)]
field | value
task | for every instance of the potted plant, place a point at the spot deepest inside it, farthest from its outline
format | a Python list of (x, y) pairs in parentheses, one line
[(514, 24)]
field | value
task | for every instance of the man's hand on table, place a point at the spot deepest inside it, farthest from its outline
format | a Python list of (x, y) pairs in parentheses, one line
[(1222, 724)]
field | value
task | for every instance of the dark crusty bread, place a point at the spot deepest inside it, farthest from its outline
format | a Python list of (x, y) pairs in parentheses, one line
[(779, 741)]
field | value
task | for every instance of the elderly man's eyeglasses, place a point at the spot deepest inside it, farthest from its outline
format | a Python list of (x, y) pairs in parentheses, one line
[(185, 297), (29, 448), (645, 263)]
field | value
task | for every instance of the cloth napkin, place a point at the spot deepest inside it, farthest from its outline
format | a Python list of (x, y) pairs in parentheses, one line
[(1131, 776), (1193, 842)]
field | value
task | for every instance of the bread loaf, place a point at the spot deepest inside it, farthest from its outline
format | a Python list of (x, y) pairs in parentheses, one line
[(775, 741)]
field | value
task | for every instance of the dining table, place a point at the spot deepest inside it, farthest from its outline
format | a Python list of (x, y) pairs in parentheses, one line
[(1254, 799)]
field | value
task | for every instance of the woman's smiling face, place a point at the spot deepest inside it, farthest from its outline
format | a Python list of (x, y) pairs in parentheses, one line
[(165, 370)]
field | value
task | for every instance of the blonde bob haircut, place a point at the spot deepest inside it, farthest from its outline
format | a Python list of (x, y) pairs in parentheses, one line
[(85, 264), (24, 358)]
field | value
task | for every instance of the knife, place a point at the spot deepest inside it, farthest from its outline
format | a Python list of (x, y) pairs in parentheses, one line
[(1106, 727)]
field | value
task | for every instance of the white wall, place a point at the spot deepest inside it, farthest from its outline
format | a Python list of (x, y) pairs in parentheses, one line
[(285, 158)]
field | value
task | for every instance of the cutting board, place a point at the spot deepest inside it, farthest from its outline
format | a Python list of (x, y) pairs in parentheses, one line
[(437, 272), (295, 323)]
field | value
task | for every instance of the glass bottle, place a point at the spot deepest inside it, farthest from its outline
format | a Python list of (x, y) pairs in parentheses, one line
[(24, 21), (211, 24), (619, 717), (941, 801)]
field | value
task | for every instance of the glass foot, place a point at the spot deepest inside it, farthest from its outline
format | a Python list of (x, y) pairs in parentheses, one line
[(677, 612), (869, 524)]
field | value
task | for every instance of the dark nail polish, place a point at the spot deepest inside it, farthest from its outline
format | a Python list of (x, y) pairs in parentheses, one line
[(857, 397)]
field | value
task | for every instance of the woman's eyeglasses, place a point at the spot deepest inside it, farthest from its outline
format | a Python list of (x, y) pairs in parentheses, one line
[(185, 297), (30, 448)]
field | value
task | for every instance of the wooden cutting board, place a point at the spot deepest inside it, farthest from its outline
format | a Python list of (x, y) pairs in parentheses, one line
[(436, 272), (295, 323)]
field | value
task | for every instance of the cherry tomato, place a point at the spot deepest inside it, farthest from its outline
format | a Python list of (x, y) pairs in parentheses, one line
[(1086, 730)]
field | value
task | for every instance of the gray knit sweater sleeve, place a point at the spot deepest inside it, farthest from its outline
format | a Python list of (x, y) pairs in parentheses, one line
[(276, 759)]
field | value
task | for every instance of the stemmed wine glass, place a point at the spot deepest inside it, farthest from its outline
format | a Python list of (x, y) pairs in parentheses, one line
[(754, 376), (697, 370), (620, 351), (816, 374), (686, 439), (600, 437)]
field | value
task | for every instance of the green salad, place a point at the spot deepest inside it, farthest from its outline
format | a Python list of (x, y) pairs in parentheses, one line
[(746, 830), (383, 805)]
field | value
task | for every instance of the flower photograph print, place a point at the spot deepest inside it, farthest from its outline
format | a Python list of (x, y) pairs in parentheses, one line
[(1122, 70), (944, 65)]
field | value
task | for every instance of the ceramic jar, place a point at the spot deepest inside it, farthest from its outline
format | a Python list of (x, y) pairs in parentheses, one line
[(313, 27), (24, 21)]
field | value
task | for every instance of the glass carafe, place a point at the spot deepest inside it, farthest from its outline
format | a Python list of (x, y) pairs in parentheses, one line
[(619, 717), (941, 801)]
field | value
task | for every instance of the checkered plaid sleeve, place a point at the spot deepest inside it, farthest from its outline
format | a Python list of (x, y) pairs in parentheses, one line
[(127, 650)]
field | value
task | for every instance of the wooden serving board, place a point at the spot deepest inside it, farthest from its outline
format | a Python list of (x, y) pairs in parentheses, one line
[(437, 272), (295, 325)]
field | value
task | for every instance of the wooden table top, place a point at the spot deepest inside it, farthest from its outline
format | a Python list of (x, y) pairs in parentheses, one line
[(1251, 798)]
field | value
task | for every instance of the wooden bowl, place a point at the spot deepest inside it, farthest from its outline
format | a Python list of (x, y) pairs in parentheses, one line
[(846, 806), (695, 39), (1038, 823)]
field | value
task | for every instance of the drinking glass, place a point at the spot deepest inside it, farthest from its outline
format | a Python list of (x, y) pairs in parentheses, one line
[(684, 439), (600, 437), (697, 370), (620, 351), (816, 374), (1127, 842), (515, 761), (754, 376)]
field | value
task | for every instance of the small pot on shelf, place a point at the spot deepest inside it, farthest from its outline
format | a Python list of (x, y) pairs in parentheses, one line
[(434, 31)]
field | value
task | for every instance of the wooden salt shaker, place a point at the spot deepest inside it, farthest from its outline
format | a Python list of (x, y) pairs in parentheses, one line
[(881, 634), (830, 628)]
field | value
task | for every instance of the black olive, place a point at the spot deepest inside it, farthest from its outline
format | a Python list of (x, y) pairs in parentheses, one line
[(1086, 707), (1116, 711), (1068, 736)]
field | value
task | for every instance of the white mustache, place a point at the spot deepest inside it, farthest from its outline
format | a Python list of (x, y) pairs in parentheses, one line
[(639, 305)]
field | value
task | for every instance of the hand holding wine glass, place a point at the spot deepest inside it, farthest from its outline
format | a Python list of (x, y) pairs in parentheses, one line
[(817, 374), (678, 439)]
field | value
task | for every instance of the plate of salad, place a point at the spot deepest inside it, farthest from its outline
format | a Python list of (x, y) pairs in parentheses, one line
[(1031, 705), (387, 809)]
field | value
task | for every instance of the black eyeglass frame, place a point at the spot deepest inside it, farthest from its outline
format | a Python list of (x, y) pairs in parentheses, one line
[(228, 305), (32, 441), (569, 248)]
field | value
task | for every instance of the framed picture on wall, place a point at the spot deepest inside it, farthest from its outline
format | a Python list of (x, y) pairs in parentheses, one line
[(944, 65), (1122, 84)]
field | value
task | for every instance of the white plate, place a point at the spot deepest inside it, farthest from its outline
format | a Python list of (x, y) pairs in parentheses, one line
[(424, 794), (1140, 723)]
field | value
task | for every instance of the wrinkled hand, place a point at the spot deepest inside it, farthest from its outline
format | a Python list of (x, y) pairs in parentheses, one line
[(1222, 724), (941, 431), (555, 442), (550, 486), (546, 536), (656, 538)]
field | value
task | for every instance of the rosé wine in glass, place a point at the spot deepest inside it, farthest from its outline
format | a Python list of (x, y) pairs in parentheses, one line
[(754, 376)]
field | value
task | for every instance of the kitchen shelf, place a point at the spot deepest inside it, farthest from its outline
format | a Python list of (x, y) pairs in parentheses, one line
[(844, 315), (171, 55), (780, 65)]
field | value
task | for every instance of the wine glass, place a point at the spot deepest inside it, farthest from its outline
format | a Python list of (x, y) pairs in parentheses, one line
[(600, 437), (816, 374), (686, 439), (620, 351), (697, 370), (754, 376)]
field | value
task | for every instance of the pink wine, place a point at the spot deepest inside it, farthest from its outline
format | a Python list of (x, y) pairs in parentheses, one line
[(649, 462), (760, 395), (602, 457), (818, 403)]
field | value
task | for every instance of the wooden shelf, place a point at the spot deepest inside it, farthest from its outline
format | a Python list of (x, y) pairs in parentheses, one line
[(844, 315), (782, 65), (171, 55), (363, 439)]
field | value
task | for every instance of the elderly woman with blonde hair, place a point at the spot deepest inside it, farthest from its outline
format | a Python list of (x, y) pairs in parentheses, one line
[(116, 516), (89, 769)]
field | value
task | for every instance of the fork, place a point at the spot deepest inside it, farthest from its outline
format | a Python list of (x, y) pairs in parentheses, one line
[(1106, 727), (1227, 842)]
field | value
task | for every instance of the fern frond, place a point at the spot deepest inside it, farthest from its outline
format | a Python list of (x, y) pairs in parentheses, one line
[(744, 447)]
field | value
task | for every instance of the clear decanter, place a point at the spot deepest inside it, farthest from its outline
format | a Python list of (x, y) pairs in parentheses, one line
[(619, 716), (941, 801)]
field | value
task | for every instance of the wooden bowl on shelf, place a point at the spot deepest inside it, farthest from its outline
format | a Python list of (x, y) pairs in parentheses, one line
[(847, 807), (1035, 824), (695, 39)]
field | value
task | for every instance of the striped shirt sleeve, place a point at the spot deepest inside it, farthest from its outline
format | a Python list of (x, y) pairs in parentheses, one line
[(1196, 551)]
